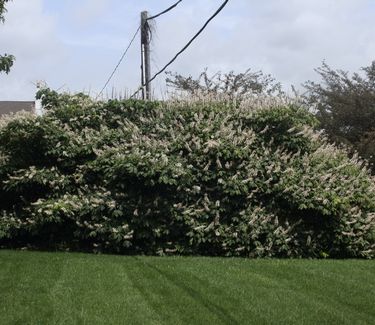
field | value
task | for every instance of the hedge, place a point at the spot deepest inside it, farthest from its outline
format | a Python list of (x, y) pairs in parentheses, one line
[(181, 177)]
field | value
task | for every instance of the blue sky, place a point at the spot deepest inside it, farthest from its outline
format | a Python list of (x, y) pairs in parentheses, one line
[(74, 44)]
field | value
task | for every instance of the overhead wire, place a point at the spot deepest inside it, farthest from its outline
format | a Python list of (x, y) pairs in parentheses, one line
[(164, 11), (184, 48), (120, 61)]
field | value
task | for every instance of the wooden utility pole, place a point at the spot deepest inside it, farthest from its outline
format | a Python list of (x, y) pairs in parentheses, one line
[(145, 56)]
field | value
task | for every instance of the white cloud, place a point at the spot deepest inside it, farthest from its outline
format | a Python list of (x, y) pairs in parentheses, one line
[(30, 35), (80, 43), (285, 38), (85, 12)]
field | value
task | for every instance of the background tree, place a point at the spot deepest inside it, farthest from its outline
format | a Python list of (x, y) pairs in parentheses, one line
[(6, 60), (345, 107), (235, 85)]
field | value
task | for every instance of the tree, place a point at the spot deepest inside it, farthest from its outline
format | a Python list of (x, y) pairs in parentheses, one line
[(6, 60), (2, 9), (345, 107), (234, 85)]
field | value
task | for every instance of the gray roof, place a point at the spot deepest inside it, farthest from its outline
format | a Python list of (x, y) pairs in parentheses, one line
[(13, 107)]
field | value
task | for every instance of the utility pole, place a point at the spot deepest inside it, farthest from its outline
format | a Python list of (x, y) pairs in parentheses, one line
[(145, 56)]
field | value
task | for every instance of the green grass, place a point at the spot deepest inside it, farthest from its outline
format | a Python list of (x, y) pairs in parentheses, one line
[(58, 288)]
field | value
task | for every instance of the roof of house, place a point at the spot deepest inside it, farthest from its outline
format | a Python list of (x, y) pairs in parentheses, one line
[(7, 107)]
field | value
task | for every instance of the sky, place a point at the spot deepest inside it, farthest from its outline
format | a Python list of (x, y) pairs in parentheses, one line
[(73, 45)]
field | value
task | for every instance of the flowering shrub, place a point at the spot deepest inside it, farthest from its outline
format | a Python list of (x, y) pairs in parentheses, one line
[(196, 177)]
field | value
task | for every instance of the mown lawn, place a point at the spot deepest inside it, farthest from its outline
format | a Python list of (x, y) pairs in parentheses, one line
[(59, 288)]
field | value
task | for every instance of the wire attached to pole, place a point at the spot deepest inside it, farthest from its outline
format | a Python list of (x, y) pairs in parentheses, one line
[(164, 11), (118, 64)]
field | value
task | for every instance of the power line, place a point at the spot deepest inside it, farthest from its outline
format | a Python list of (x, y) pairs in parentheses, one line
[(164, 11), (185, 47), (118, 64)]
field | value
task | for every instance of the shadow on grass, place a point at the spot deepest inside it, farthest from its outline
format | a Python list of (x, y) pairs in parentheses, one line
[(178, 281)]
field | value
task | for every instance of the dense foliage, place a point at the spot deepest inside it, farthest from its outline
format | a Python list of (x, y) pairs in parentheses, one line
[(205, 178), (345, 107)]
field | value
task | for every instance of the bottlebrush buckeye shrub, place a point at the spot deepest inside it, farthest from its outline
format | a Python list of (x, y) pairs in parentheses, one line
[(183, 177)]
